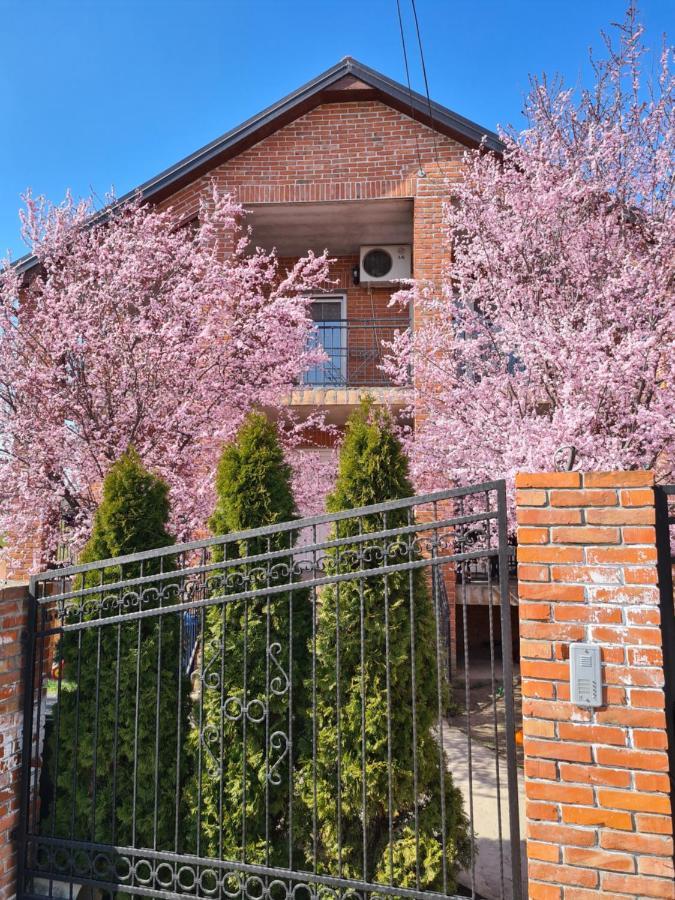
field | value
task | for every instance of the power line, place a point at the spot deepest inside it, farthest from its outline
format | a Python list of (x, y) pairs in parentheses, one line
[(426, 86), (421, 172)]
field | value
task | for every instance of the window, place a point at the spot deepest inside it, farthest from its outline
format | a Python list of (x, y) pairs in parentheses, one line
[(328, 312)]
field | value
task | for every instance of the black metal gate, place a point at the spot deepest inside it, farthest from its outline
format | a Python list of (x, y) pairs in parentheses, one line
[(665, 541), (271, 714)]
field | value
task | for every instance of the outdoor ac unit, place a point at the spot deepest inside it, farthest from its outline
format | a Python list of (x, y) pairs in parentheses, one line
[(385, 263)]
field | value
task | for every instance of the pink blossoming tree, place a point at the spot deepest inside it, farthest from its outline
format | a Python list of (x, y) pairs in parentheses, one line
[(137, 332), (555, 320)]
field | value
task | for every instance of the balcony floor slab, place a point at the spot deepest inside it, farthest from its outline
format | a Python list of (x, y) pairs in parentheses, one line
[(348, 396)]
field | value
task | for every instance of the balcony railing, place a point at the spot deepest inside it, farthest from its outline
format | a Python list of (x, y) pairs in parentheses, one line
[(480, 571), (355, 349)]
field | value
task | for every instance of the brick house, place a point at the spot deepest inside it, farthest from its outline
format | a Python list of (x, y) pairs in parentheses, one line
[(350, 160)]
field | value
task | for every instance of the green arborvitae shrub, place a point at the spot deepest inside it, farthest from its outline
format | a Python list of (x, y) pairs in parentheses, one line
[(373, 469), (110, 755), (254, 658)]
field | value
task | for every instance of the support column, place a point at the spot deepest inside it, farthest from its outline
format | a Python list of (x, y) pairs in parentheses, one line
[(598, 816)]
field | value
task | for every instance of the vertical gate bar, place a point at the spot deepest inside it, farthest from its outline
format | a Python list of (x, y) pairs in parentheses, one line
[(362, 641), (221, 777), (97, 692), (290, 753), (436, 574), (493, 688), (77, 722), (467, 701), (136, 715), (463, 569), (57, 729), (179, 715), (507, 669), (450, 621), (244, 713), (159, 626), (77, 730), (118, 649), (268, 641), (387, 662), (413, 673), (26, 748), (664, 563), (200, 753), (314, 729), (338, 716)]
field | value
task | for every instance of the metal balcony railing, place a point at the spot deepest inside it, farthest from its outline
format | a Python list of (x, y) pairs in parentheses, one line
[(479, 571), (356, 349)]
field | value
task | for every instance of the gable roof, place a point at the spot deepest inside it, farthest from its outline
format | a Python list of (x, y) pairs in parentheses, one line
[(348, 80)]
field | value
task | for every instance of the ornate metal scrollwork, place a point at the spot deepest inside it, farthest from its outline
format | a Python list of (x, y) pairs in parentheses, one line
[(278, 741), (279, 684), (210, 675), (117, 602), (56, 867), (234, 708)]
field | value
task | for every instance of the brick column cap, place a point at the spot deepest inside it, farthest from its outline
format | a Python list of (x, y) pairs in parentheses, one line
[(634, 478)]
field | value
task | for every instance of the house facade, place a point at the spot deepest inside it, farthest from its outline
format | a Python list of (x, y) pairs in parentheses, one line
[(351, 162)]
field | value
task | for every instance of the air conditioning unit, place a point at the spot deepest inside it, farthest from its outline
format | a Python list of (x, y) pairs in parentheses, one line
[(385, 263)]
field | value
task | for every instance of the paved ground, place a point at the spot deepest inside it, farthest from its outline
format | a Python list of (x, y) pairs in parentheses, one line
[(482, 710), (487, 873), (487, 869)]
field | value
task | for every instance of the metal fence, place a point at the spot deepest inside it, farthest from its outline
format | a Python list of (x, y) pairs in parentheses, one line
[(356, 350), (665, 541), (269, 714)]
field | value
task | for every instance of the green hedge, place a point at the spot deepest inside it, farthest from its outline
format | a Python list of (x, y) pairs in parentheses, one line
[(373, 469), (255, 653), (97, 722)]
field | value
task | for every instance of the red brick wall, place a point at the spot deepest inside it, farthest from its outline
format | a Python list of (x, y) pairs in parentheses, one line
[(24, 558), (338, 151), (347, 151), (598, 807)]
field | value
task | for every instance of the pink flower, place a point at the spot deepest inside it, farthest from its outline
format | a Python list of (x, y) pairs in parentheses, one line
[(136, 332), (555, 320)]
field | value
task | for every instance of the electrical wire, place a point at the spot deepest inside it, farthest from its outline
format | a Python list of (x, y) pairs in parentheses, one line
[(426, 88), (421, 172)]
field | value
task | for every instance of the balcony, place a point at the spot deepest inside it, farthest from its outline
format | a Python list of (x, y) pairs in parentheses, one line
[(355, 349), (353, 319)]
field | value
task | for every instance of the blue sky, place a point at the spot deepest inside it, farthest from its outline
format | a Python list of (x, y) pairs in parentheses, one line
[(101, 94)]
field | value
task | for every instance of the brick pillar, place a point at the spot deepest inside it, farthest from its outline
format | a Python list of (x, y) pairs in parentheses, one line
[(598, 806), (431, 253), (13, 619)]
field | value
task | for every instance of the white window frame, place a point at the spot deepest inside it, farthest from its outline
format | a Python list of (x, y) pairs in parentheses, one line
[(341, 298)]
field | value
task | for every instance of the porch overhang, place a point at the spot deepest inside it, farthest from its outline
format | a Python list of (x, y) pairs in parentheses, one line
[(340, 226)]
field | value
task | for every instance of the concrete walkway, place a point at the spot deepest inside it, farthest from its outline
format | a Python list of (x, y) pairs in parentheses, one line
[(487, 869)]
